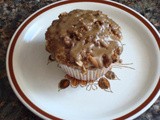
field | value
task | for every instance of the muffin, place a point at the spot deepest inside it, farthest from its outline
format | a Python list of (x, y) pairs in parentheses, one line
[(85, 43)]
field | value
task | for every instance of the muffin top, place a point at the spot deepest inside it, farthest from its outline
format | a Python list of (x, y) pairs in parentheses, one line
[(84, 39)]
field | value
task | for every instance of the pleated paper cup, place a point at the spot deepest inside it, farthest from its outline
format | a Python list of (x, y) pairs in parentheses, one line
[(90, 75)]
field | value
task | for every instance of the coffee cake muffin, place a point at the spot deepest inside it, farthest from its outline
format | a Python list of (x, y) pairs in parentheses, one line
[(85, 43)]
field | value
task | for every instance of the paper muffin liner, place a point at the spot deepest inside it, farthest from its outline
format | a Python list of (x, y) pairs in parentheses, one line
[(90, 75)]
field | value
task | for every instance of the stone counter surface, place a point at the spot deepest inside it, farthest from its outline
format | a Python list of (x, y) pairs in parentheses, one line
[(13, 13)]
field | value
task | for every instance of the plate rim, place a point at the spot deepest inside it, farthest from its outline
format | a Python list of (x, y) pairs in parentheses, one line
[(9, 58)]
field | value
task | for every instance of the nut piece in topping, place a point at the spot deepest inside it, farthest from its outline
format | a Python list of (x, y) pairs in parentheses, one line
[(79, 63), (119, 50), (64, 83), (115, 57), (93, 61), (62, 14), (67, 41), (84, 70), (106, 61), (103, 43)]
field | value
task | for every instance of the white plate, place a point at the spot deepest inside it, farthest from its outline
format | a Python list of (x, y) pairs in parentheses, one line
[(35, 83)]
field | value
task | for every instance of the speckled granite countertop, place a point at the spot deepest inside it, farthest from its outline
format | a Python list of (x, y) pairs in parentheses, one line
[(13, 13)]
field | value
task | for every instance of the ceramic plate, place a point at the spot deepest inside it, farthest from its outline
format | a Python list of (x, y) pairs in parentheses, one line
[(36, 83)]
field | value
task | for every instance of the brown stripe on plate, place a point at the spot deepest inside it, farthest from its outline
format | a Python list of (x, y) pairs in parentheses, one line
[(11, 52)]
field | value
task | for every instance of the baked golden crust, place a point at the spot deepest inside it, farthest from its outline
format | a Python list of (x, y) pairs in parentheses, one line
[(84, 39)]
